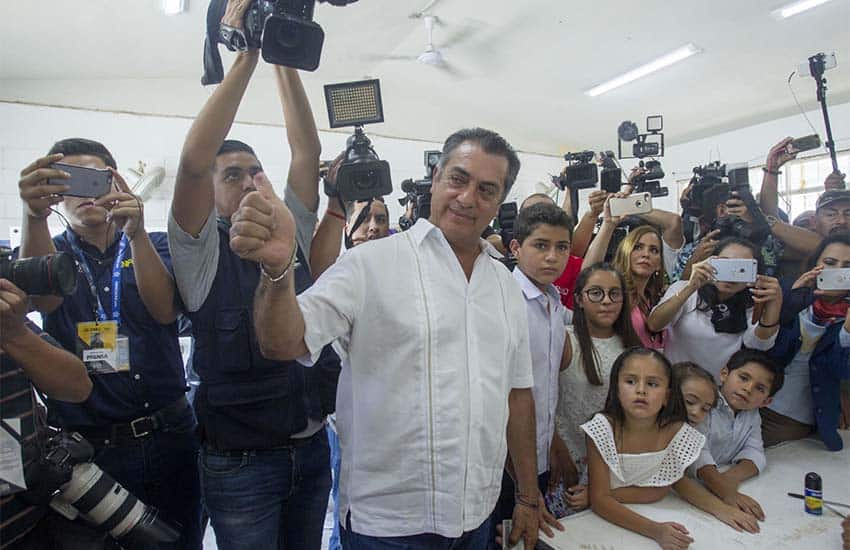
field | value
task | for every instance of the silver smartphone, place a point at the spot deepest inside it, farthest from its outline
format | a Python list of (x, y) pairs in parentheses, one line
[(834, 279), (636, 203), (734, 270), (84, 182)]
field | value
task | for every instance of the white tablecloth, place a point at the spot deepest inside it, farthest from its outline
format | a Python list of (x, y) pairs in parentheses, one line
[(786, 524)]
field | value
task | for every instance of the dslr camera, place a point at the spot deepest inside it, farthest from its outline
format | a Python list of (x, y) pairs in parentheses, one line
[(75, 487), (54, 274), (418, 192), (706, 179)]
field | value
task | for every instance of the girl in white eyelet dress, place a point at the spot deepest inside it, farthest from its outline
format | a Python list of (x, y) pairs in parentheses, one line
[(639, 447)]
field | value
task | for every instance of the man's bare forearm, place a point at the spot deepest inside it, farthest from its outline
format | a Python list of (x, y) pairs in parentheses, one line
[(521, 440), (583, 234), (302, 136), (769, 194), (670, 224), (797, 238), (278, 320), (156, 286), (193, 188), (325, 246), (53, 370)]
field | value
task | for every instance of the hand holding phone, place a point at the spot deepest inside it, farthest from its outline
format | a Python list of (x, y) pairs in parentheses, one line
[(84, 181), (636, 203), (734, 270), (834, 279), (805, 143)]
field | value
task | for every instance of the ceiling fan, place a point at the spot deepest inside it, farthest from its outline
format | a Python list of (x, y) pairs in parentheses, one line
[(433, 56)]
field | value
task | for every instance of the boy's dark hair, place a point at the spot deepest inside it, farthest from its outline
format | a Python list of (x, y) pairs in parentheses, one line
[(746, 355), (622, 326), (840, 238), (686, 370), (82, 146), (673, 411), (492, 144), (538, 214), (534, 196)]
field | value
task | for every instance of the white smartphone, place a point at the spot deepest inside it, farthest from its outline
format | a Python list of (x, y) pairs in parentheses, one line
[(636, 203), (834, 279), (734, 270)]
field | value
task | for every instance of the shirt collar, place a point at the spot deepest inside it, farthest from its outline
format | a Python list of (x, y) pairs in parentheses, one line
[(91, 249), (530, 289), (423, 228)]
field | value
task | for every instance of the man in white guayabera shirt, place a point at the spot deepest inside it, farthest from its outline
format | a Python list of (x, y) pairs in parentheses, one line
[(436, 338)]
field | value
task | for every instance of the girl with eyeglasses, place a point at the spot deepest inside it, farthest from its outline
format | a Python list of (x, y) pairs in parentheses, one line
[(710, 320), (601, 331)]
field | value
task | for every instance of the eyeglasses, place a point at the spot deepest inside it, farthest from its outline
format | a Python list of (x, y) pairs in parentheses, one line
[(596, 295)]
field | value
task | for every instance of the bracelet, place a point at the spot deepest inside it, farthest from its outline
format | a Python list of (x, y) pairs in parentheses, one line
[(292, 263), (771, 172), (335, 215), (762, 325), (521, 500)]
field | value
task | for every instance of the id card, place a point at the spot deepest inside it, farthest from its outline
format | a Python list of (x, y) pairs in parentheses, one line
[(104, 351)]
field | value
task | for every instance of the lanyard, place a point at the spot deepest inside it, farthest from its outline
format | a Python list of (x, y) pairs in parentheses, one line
[(116, 279)]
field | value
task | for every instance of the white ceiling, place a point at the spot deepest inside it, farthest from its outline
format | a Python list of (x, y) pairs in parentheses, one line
[(523, 65)]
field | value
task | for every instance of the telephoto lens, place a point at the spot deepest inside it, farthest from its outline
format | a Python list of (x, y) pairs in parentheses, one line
[(54, 274)]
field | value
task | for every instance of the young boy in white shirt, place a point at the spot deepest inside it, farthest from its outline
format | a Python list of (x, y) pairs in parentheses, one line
[(541, 245), (733, 428)]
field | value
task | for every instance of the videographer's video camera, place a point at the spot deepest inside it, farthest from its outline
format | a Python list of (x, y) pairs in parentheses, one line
[(74, 486), (580, 173), (362, 175), (734, 177), (54, 274), (650, 181), (650, 144), (611, 175), (419, 192)]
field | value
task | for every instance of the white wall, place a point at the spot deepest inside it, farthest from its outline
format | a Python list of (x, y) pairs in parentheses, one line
[(27, 132)]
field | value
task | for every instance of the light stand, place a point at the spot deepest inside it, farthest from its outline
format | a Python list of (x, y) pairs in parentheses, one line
[(817, 67)]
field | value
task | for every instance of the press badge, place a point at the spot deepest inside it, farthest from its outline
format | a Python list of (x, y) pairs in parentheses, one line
[(104, 351)]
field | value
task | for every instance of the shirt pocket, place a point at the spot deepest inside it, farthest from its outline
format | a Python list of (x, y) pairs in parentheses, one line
[(231, 343)]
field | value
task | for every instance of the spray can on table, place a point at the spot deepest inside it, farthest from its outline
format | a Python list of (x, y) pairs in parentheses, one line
[(814, 494)]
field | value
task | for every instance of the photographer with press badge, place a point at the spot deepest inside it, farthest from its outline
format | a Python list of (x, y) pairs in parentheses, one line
[(120, 321)]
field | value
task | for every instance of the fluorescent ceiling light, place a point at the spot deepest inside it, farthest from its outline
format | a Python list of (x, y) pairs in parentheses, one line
[(797, 7), (664, 61), (174, 7)]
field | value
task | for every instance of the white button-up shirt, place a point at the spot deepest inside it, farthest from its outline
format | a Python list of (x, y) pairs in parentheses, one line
[(547, 320), (432, 358), (731, 437)]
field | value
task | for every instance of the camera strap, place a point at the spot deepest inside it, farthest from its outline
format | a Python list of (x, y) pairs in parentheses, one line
[(361, 217), (115, 290)]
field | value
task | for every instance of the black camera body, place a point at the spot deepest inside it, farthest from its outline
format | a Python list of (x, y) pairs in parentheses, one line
[(419, 191), (54, 274), (710, 176), (650, 182), (285, 32), (580, 172), (611, 175), (362, 175)]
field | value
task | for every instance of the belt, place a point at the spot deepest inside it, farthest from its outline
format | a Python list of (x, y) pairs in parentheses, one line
[(287, 444), (136, 429)]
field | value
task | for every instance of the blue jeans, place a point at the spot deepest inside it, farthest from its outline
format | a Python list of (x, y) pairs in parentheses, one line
[(471, 540), (268, 498), (336, 463)]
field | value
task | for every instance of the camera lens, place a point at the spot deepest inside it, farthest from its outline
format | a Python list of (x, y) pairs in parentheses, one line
[(43, 275)]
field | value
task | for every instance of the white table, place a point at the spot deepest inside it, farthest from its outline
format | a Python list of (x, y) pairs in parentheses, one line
[(786, 524)]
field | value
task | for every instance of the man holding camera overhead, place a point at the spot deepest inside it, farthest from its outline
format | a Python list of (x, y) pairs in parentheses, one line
[(264, 460)]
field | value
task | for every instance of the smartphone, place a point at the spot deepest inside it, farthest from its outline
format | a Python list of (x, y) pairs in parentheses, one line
[(507, 526), (834, 279), (636, 203), (84, 182), (733, 270), (806, 143)]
